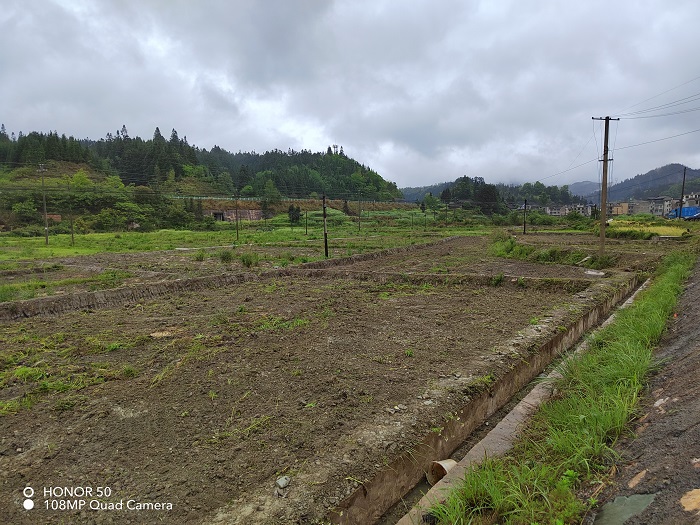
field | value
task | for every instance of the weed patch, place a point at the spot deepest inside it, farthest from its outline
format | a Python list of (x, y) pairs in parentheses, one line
[(250, 259)]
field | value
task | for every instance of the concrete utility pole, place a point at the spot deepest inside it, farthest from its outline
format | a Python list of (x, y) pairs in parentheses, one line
[(359, 212), (604, 189), (236, 216), (680, 209)]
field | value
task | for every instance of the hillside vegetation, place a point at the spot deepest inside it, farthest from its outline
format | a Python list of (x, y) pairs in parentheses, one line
[(175, 165), (666, 180)]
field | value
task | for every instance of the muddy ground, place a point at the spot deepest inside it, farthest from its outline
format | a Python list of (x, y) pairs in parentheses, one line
[(202, 400), (661, 457)]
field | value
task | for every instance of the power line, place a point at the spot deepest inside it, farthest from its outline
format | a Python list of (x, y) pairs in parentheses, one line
[(662, 93), (679, 102), (659, 140), (690, 110)]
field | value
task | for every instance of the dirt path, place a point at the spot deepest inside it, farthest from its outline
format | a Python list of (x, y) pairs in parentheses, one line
[(664, 459)]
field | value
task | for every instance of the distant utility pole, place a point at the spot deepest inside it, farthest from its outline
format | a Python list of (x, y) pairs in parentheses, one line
[(236, 216), (680, 210), (325, 226), (359, 212), (70, 210), (524, 216), (604, 189), (43, 197)]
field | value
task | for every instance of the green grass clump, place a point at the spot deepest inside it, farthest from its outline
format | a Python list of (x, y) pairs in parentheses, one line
[(571, 438), (507, 247), (600, 262), (226, 256), (250, 259), (27, 373), (511, 491), (496, 280), (510, 249)]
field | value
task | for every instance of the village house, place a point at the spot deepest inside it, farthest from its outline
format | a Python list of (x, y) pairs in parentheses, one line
[(661, 206), (620, 208), (692, 199), (561, 211)]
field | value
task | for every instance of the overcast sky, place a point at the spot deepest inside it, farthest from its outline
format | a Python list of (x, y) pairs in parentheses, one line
[(422, 91)]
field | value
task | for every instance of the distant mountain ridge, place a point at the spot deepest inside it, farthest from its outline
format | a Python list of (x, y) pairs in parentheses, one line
[(584, 188), (666, 180), (417, 193)]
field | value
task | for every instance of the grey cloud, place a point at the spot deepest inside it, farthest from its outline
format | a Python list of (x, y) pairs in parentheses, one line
[(422, 91)]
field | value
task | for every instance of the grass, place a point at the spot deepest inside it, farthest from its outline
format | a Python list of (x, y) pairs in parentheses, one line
[(628, 230), (33, 368), (570, 440), (34, 287), (250, 259), (226, 256), (273, 324), (496, 280), (380, 229), (507, 247)]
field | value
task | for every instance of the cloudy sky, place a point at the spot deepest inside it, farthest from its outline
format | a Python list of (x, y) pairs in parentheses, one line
[(422, 91)]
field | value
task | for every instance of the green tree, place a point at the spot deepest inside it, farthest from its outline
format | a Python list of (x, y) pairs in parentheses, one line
[(446, 196), (26, 212), (486, 196), (270, 197), (431, 202), (109, 219), (294, 214), (271, 194)]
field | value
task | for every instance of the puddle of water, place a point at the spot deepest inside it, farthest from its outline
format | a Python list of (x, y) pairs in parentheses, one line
[(400, 508), (623, 508)]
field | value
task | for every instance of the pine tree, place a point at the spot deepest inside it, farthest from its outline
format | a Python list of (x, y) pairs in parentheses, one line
[(446, 196), (157, 137)]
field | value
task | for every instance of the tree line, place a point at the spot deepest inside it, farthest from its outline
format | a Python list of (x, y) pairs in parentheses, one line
[(164, 164), (538, 194)]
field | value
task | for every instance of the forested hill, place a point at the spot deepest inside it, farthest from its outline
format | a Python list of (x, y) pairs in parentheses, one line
[(666, 180), (162, 163), (416, 194)]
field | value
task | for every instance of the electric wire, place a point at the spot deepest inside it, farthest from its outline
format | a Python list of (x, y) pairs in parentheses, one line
[(679, 102), (662, 93)]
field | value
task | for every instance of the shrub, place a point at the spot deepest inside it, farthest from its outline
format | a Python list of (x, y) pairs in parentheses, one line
[(250, 259), (226, 256)]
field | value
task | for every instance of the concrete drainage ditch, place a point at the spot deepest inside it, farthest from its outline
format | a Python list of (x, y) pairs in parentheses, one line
[(536, 347)]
